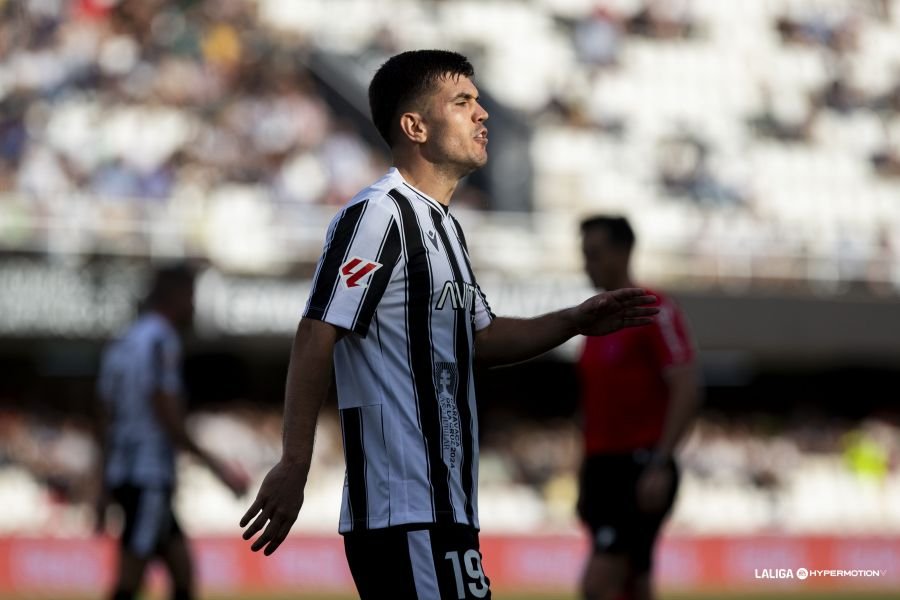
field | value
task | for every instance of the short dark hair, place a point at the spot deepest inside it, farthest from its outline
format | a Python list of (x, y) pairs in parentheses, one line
[(619, 230), (168, 280), (406, 78)]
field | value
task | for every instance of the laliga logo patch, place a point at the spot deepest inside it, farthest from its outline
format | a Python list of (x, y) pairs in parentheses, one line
[(355, 269)]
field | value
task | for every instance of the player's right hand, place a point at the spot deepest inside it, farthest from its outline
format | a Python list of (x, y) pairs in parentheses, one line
[(276, 507)]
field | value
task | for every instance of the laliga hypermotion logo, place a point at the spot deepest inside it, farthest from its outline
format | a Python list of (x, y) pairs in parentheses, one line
[(355, 269)]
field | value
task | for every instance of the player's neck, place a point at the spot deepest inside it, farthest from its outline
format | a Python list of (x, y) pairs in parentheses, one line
[(429, 179)]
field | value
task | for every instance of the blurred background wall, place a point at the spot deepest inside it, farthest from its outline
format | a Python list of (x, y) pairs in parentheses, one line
[(754, 145)]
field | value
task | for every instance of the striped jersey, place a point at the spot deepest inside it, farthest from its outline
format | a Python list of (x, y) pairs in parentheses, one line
[(145, 360), (395, 272)]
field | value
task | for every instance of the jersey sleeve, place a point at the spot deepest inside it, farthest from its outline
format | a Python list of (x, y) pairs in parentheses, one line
[(483, 313), (670, 336), (362, 247)]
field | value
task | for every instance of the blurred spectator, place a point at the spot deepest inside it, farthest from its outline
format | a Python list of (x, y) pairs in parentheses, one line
[(598, 38), (769, 124), (662, 20), (841, 96), (886, 163), (684, 171), (817, 30), (867, 450)]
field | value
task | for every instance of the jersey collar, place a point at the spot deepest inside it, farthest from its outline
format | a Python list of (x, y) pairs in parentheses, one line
[(444, 209)]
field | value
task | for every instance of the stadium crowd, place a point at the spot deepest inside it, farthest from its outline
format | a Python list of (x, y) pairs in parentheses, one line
[(770, 134), (142, 100), (740, 475)]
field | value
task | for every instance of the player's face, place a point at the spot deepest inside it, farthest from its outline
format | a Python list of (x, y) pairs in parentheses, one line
[(455, 120), (605, 263)]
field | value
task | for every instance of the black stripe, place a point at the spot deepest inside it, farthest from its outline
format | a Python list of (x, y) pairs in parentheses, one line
[(462, 240), (460, 234), (388, 254), (385, 445), (409, 364), (464, 336), (419, 293), (355, 457), (430, 201), (335, 254)]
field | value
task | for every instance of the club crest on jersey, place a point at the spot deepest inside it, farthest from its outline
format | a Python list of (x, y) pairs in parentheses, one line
[(355, 270)]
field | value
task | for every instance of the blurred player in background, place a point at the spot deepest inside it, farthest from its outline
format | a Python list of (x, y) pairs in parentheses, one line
[(396, 318), (639, 394), (140, 427)]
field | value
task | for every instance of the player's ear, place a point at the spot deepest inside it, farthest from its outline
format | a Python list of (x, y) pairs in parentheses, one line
[(412, 127)]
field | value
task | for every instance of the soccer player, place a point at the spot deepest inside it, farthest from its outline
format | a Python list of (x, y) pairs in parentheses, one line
[(394, 321), (639, 393), (140, 426)]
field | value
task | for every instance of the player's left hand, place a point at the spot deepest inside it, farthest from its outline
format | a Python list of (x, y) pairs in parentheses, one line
[(654, 487), (276, 507), (609, 312)]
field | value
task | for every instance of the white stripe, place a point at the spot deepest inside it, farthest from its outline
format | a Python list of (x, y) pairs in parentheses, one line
[(422, 559), (151, 513)]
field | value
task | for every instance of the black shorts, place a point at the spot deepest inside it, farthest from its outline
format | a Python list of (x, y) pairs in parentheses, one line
[(418, 562), (150, 523), (608, 506)]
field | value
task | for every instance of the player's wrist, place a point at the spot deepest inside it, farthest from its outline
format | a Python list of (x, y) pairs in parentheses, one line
[(296, 461), (571, 322)]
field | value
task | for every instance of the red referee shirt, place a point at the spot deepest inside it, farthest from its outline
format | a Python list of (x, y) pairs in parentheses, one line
[(624, 396)]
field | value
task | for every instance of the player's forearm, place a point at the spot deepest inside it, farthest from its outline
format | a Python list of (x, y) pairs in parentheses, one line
[(509, 340), (170, 416), (307, 387), (685, 398)]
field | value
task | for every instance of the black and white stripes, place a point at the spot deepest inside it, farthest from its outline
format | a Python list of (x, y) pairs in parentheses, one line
[(405, 386)]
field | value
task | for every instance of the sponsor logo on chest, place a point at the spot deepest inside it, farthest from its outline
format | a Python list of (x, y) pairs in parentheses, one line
[(457, 296)]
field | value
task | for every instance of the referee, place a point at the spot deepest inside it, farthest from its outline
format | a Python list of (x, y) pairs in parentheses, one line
[(640, 392), (394, 321)]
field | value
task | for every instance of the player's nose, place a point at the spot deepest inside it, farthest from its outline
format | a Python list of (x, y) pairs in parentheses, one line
[(480, 114)]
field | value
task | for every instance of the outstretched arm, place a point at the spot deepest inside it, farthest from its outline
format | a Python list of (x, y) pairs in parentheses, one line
[(308, 381), (507, 340), (169, 410)]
